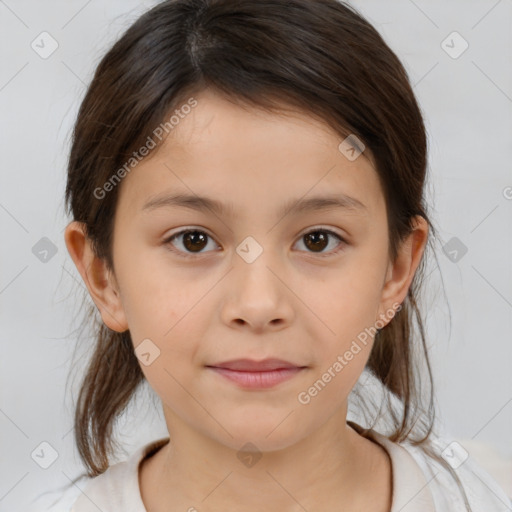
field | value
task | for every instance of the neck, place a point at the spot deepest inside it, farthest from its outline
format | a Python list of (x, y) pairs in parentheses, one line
[(333, 466)]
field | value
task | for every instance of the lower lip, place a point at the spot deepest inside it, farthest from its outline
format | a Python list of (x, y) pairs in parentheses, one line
[(257, 380)]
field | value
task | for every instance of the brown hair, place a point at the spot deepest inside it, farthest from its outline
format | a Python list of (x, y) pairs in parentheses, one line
[(321, 57)]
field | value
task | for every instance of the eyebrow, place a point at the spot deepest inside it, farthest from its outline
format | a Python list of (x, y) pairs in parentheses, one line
[(294, 206)]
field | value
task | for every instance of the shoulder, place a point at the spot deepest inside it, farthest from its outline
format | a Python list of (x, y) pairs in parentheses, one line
[(483, 493), (115, 489), (58, 500), (118, 487), (422, 483)]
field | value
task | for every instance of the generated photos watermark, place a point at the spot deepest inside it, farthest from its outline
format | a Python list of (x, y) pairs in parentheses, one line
[(304, 397), (158, 133)]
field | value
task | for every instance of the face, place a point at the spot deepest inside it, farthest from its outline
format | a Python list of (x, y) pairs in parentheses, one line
[(252, 280)]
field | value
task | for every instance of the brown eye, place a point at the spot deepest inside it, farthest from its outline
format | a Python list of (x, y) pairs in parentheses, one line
[(193, 241), (318, 240)]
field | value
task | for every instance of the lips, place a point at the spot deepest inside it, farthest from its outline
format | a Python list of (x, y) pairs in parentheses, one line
[(249, 365), (254, 375)]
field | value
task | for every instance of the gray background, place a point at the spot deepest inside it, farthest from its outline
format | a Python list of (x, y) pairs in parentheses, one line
[(467, 103)]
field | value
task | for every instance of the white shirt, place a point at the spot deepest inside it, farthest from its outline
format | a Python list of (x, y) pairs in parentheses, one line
[(420, 484)]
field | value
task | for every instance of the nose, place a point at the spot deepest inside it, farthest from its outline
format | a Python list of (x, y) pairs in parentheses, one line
[(257, 297)]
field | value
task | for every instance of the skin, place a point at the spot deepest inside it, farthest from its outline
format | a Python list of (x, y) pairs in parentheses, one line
[(292, 303)]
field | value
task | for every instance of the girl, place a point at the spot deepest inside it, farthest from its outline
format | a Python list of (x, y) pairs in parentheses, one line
[(246, 181)]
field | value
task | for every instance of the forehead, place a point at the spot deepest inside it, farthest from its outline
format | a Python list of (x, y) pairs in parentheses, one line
[(220, 148), (220, 118)]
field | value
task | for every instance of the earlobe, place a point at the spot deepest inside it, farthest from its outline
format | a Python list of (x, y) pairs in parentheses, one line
[(99, 280), (401, 273)]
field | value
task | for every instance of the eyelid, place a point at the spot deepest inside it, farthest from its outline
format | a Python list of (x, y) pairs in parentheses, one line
[(330, 231), (184, 229), (324, 228)]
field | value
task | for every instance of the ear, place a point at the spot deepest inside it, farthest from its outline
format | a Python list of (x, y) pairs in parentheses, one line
[(100, 281), (401, 272)]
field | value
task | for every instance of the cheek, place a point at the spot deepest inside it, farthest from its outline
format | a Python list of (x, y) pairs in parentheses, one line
[(347, 304), (341, 357), (169, 308), (154, 295), (167, 328), (348, 301)]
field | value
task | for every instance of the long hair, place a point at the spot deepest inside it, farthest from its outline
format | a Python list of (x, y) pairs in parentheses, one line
[(321, 57)]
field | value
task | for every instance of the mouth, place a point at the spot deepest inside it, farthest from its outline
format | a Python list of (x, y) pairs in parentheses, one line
[(264, 374)]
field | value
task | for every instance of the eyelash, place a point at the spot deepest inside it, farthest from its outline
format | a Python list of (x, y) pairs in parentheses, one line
[(316, 230)]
